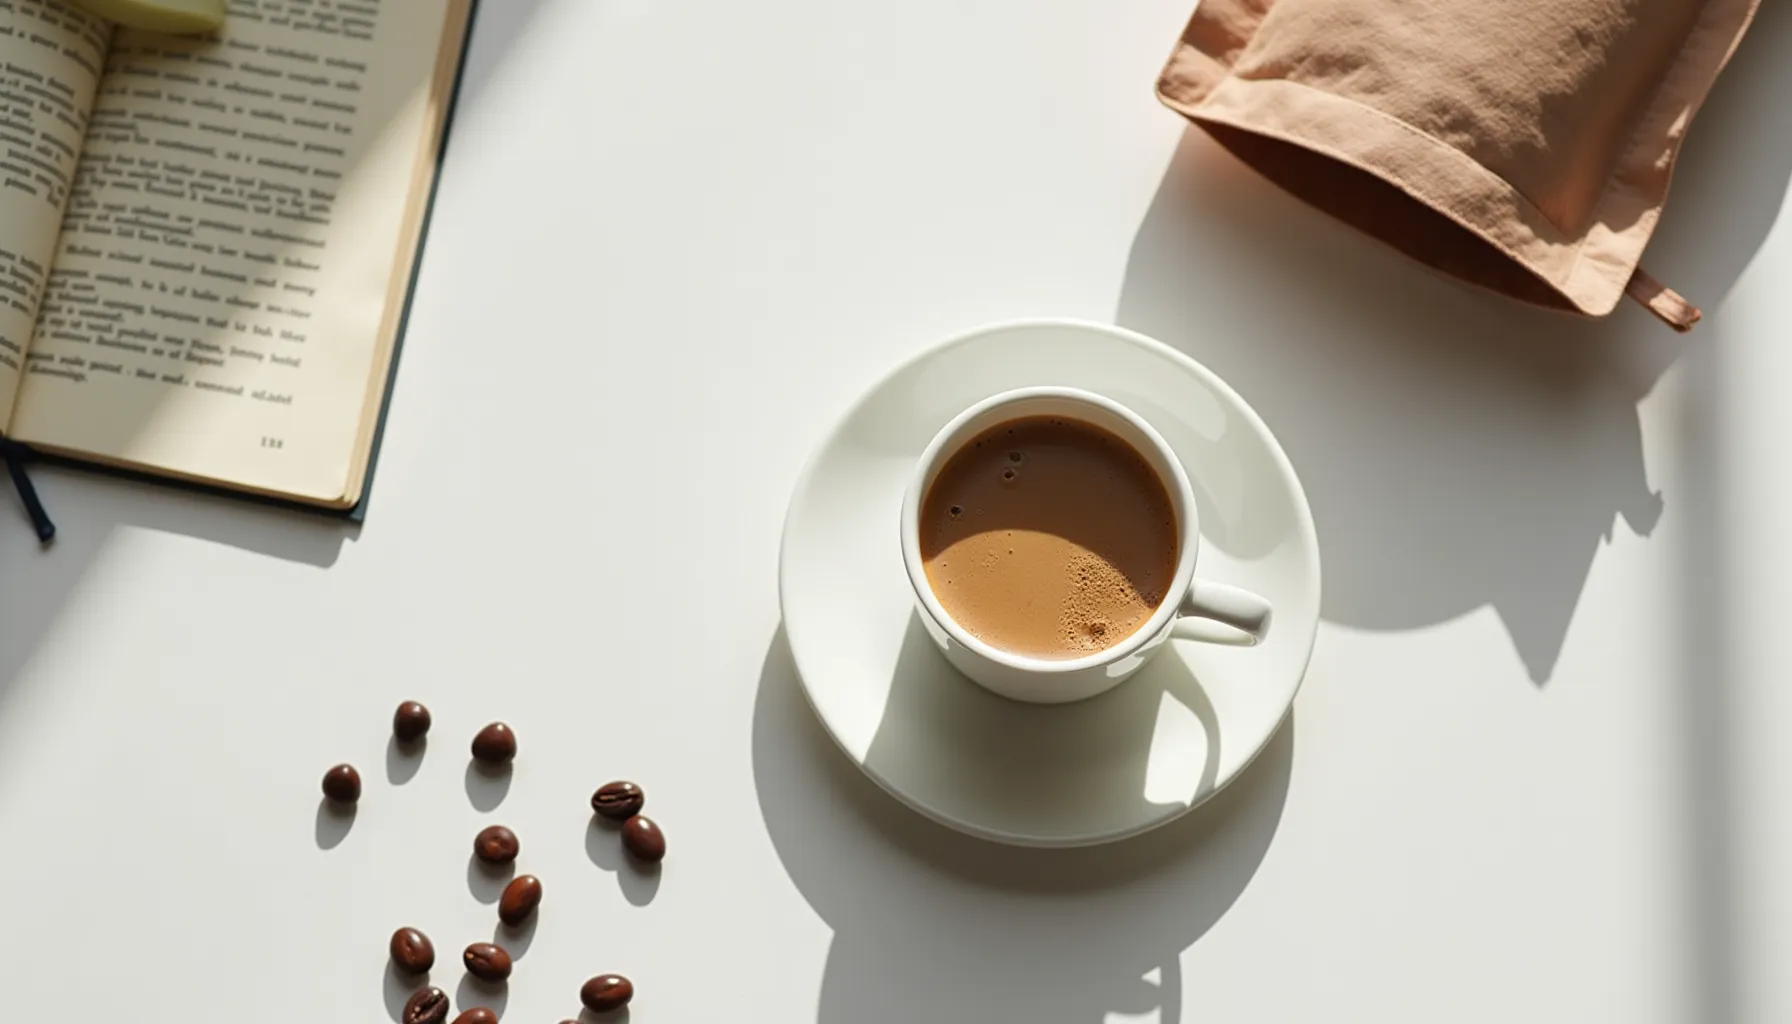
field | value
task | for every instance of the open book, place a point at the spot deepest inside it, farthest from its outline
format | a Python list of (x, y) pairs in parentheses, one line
[(207, 244)]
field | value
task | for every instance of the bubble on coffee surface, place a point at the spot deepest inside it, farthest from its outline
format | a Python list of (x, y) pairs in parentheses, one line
[(1088, 623)]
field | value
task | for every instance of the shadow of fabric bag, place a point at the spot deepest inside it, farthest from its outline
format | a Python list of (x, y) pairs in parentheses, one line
[(1525, 147)]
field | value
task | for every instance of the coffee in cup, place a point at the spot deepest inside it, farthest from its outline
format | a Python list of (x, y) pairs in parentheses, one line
[(1048, 537)]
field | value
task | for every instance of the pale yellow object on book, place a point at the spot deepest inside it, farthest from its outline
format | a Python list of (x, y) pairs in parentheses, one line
[(206, 260), (180, 17)]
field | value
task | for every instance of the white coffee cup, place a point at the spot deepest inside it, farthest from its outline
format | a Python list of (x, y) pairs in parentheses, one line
[(1243, 617)]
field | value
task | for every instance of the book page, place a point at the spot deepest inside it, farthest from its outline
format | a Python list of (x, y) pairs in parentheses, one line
[(50, 57), (219, 296)]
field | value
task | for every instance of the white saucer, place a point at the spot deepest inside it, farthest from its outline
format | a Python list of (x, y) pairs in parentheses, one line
[(1095, 771)]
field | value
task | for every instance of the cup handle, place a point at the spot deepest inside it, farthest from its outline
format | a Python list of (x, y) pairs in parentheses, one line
[(1220, 614)]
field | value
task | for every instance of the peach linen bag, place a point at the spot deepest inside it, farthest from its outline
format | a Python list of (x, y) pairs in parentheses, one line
[(1525, 146)]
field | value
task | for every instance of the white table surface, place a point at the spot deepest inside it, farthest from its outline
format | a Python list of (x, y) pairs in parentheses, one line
[(1535, 773)]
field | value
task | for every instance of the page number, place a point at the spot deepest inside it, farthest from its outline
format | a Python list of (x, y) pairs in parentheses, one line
[(273, 442)]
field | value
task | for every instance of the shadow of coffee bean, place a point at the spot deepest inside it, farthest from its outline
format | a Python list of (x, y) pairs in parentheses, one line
[(517, 939), (404, 759), (487, 784), (638, 880), (472, 992), (603, 844), (487, 881), (333, 823), (398, 988)]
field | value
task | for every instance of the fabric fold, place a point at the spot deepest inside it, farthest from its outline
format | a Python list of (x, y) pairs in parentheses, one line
[(1525, 148)]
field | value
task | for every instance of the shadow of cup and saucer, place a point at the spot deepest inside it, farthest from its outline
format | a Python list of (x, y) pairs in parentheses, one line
[(992, 931)]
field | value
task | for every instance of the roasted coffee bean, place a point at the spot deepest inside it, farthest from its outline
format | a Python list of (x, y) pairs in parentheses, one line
[(412, 951), (519, 900), (343, 784), (495, 744), (618, 801), (426, 1006), (486, 961), (496, 845), (410, 722), (643, 838), (477, 1015), (606, 992)]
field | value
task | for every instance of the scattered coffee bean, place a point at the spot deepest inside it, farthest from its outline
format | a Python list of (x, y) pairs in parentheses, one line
[(426, 1006), (412, 951), (410, 722), (487, 962), (495, 744), (343, 784), (519, 900), (618, 801), (477, 1015), (643, 838), (496, 845), (606, 992)]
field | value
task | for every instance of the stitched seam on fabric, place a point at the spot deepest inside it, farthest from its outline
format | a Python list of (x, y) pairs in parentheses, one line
[(1351, 161), (1455, 153), (1614, 177), (1170, 85), (1412, 188), (1695, 104)]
